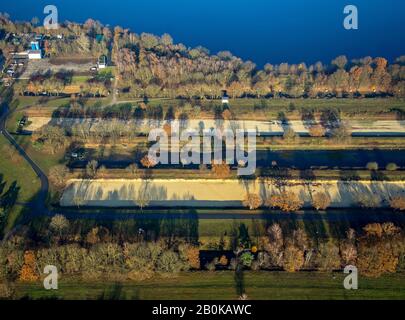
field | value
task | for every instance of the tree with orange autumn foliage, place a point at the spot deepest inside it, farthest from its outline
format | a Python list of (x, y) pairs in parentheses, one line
[(317, 131), (252, 201), (398, 203), (321, 201), (148, 162), (378, 230), (378, 249), (28, 273), (227, 114), (286, 201), (191, 254), (376, 258), (223, 261), (221, 171), (293, 259)]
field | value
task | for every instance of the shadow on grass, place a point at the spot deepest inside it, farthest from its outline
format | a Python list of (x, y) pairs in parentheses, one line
[(117, 293), (240, 281)]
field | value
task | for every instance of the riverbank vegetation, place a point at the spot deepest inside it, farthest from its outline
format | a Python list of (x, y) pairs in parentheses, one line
[(154, 66)]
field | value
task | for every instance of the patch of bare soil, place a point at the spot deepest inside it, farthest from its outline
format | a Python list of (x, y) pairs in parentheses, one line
[(76, 60)]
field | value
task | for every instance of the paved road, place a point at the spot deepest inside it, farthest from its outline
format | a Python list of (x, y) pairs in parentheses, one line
[(38, 204)]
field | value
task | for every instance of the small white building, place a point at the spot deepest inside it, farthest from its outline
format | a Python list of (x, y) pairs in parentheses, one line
[(102, 62), (225, 99), (35, 55)]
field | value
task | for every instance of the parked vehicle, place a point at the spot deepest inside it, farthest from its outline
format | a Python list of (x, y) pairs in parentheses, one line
[(23, 121), (76, 155)]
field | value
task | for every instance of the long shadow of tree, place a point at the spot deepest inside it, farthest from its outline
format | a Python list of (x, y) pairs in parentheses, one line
[(9, 198), (240, 236), (7, 201), (186, 228), (377, 175), (116, 293), (240, 281), (240, 242), (2, 184)]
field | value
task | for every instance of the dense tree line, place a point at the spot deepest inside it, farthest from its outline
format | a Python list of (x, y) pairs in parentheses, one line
[(8, 197), (96, 256), (376, 250), (154, 66)]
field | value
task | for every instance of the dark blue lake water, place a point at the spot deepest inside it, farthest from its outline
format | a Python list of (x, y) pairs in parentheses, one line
[(259, 30)]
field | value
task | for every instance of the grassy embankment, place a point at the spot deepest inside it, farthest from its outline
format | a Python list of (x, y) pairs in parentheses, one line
[(222, 285)]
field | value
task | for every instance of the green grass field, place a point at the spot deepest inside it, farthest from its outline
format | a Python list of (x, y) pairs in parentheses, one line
[(14, 216), (244, 108), (222, 285), (45, 160), (80, 79), (14, 168), (52, 103), (33, 101), (18, 170), (108, 70)]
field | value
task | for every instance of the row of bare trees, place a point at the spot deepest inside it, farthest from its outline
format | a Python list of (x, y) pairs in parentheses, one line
[(376, 249), (289, 201)]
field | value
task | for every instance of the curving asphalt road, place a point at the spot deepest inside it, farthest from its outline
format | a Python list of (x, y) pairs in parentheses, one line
[(39, 202)]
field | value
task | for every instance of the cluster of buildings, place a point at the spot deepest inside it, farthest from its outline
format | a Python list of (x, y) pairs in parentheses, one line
[(19, 59), (35, 51)]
